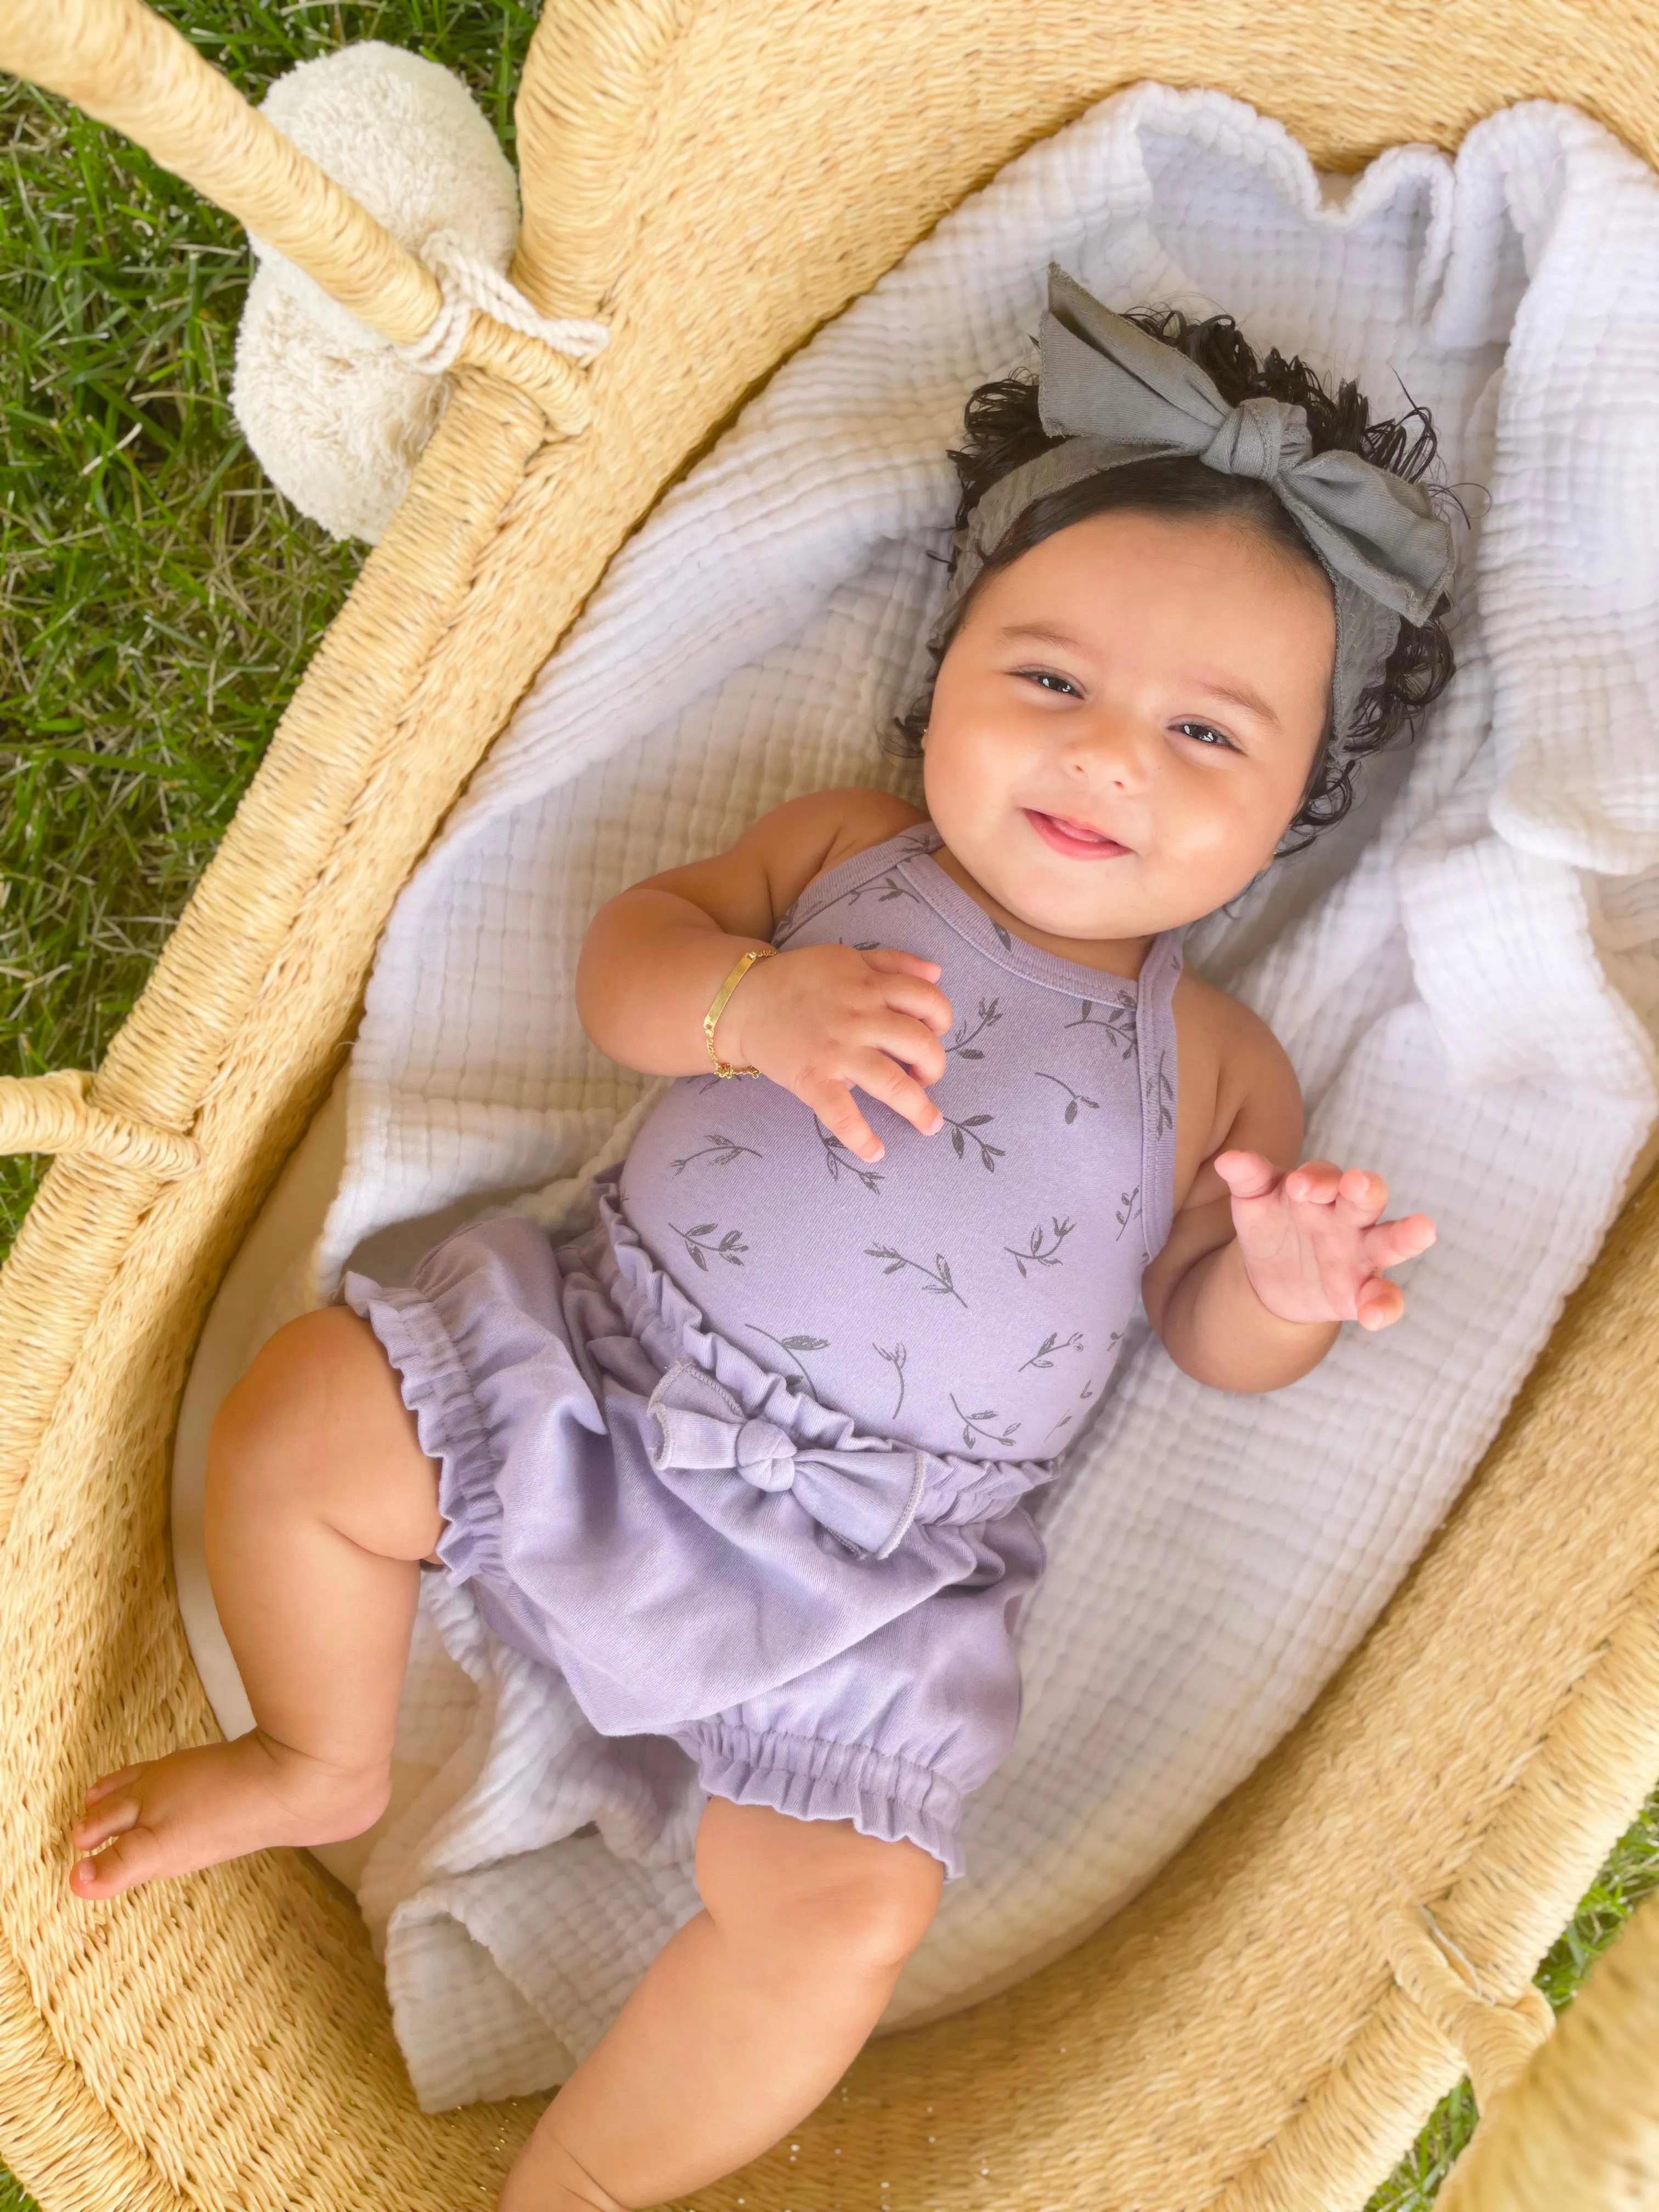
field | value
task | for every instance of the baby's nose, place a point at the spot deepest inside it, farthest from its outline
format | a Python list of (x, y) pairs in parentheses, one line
[(1113, 749)]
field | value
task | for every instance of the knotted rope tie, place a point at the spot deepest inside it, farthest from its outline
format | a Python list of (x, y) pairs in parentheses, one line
[(470, 285), (1496, 2038), (54, 1114)]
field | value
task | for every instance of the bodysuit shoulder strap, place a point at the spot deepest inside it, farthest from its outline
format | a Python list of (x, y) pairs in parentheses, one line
[(1155, 1050), (848, 875)]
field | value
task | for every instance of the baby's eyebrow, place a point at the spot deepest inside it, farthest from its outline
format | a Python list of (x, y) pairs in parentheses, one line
[(1237, 695), (1042, 635)]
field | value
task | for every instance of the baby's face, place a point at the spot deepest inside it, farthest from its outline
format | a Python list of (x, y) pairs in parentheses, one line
[(1125, 723)]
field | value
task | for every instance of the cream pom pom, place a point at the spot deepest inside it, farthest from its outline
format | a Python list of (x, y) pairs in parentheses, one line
[(335, 415)]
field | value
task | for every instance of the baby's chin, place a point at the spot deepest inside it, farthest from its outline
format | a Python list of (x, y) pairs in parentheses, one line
[(1119, 912)]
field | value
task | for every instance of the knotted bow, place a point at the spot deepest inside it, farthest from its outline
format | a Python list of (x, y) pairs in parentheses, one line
[(867, 1499), (1113, 395)]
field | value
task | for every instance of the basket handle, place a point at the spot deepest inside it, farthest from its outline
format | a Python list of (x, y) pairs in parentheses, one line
[(120, 62), (1497, 2036), (1578, 2129), (55, 1113)]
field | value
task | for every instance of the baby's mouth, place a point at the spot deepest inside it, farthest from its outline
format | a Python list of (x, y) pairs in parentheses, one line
[(1077, 840)]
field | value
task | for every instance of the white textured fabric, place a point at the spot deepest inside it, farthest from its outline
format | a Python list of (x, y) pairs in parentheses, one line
[(1463, 976)]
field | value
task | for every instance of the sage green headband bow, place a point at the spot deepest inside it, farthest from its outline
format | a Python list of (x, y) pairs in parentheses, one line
[(1114, 396)]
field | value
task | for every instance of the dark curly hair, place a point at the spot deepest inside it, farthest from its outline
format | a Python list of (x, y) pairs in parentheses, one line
[(1003, 430)]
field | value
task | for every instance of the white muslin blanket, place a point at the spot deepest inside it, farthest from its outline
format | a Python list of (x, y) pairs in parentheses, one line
[(1464, 976)]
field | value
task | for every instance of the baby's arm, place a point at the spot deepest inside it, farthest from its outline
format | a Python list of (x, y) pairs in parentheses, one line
[(1266, 1259), (818, 1021)]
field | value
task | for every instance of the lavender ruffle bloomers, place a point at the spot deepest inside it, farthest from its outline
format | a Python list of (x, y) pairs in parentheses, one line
[(821, 1618)]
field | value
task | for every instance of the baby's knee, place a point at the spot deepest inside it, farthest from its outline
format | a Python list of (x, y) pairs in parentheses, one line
[(318, 1408), (294, 1382), (818, 1888)]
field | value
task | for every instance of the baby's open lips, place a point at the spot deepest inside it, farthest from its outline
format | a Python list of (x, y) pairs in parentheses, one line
[(1065, 833)]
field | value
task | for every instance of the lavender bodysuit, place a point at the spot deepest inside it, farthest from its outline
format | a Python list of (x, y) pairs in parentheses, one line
[(969, 1292), (744, 1461)]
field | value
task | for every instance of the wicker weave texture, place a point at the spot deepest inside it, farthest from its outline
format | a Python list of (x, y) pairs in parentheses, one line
[(717, 178)]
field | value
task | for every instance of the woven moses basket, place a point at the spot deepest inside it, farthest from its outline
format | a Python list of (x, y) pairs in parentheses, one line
[(717, 177)]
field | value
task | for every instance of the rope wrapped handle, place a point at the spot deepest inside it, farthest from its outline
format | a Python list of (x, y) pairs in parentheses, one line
[(55, 1113), (470, 285), (485, 322), (1497, 2037), (120, 62)]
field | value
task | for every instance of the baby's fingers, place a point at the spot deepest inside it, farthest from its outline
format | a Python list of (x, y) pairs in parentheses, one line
[(915, 987), (888, 960), (1378, 1304), (1247, 1175), (884, 1079), (1315, 1183), (1392, 1242), (833, 1104)]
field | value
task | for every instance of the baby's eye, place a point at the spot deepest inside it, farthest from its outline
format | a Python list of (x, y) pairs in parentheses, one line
[(1207, 734), (1051, 680)]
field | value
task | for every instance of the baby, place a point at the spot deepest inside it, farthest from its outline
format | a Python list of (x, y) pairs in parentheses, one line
[(746, 1461)]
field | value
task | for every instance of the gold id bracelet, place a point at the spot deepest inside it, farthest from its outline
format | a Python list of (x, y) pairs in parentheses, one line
[(755, 953)]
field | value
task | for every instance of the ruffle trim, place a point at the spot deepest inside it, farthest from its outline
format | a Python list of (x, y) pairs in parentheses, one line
[(811, 1778), (435, 1384)]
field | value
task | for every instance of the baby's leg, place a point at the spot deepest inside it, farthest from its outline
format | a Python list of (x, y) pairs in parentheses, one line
[(747, 2018), (320, 1504)]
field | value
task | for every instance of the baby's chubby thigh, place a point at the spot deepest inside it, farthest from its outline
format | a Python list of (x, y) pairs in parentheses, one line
[(317, 1428)]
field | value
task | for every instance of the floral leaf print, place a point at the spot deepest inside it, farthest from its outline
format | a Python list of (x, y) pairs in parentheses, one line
[(1053, 1342), (719, 1151), (696, 1241), (1112, 1016), (962, 1038), (891, 889), (1043, 1249), (979, 1425), (1074, 1098), (1003, 938), (963, 1133), (896, 1358), (840, 1161), (1128, 1200), (1165, 1096), (793, 1345), (1064, 1421), (886, 887), (939, 1276)]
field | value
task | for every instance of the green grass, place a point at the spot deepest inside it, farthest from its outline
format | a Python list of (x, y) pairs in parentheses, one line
[(158, 601)]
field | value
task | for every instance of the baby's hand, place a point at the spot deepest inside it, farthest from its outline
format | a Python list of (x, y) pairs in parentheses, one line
[(826, 1017), (1313, 1241)]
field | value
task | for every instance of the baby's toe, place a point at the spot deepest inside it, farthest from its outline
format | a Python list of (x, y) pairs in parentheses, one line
[(113, 1811), (106, 1783), (132, 1858)]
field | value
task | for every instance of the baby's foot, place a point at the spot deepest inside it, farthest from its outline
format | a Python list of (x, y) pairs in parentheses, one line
[(194, 1809)]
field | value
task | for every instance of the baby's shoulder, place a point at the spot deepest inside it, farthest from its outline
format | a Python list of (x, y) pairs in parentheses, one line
[(854, 819)]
